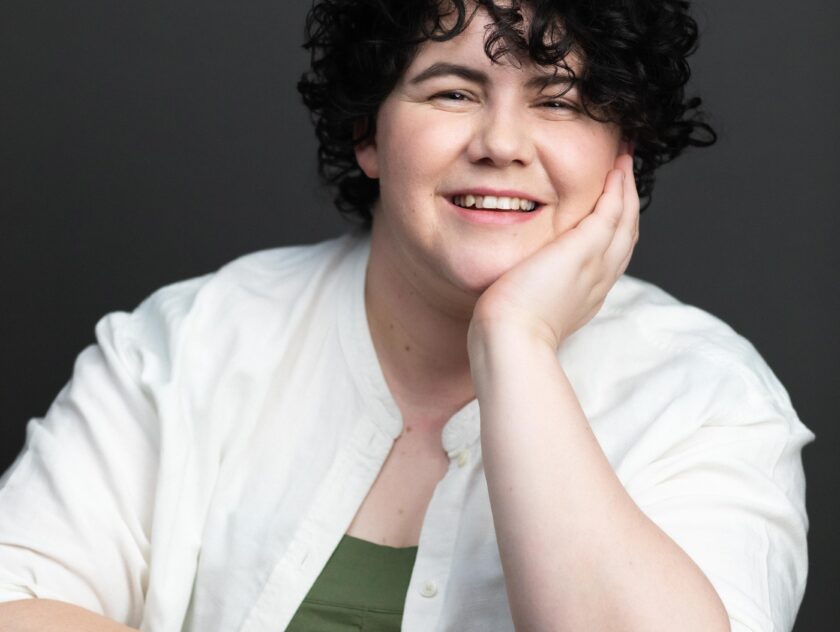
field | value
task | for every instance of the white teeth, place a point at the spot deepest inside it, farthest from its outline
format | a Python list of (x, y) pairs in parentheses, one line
[(494, 202)]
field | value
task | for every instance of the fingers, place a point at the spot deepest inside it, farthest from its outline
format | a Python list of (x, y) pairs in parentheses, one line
[(602, 223), (613, 225), (609, 214), (627, 229)]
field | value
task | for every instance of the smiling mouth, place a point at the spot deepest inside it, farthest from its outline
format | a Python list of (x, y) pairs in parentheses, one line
[(494, 203)]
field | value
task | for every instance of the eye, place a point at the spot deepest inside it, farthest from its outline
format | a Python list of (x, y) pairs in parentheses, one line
[(452, 95), (560, 106)]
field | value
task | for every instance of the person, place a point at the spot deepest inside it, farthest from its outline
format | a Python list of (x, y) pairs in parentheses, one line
[(462, 415)]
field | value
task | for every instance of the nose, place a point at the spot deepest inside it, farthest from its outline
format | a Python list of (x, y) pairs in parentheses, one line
[(501, 137)]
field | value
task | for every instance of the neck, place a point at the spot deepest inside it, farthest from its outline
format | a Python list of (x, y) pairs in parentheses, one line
[(420, 336)]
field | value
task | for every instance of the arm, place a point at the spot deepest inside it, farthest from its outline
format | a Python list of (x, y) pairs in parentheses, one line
[(47, 615), (577, 553), (76, 506)]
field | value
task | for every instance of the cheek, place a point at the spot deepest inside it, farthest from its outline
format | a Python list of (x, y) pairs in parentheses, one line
[(577, 163), (414, 151), (417, 147)]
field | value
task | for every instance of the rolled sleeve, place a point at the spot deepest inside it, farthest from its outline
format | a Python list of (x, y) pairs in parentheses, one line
[(732, 495), (76, 505)]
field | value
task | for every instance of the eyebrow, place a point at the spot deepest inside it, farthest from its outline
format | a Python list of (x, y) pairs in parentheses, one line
[(443, 69)]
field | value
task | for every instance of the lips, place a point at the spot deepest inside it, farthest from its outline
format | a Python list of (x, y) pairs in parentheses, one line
[(490, 217)]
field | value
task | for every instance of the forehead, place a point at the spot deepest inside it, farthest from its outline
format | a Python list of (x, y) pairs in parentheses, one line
[(483, 45)]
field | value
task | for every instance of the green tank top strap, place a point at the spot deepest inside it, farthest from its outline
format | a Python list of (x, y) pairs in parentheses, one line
[(362, 587)]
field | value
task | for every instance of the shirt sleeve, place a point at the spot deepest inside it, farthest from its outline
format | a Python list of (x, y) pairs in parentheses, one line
[(731, 494), (76, 505)]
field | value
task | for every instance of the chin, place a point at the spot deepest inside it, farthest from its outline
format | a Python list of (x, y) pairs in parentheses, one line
[(476, 285), (475, 274)]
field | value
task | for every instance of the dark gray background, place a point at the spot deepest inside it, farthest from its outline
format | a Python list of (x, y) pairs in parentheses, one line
[(145, 142)]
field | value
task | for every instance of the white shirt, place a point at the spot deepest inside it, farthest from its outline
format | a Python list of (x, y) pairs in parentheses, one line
[(212, 449)]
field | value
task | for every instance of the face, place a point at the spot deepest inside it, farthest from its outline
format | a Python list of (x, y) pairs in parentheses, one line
[(458, 125)]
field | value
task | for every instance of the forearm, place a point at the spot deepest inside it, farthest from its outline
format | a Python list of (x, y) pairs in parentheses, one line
[(577, 552), (47, 615)]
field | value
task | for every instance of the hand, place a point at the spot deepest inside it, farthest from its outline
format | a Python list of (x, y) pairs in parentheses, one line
[(559, 288)]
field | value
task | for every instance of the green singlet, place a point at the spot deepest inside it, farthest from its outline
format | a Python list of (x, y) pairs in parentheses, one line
[(362, 588)]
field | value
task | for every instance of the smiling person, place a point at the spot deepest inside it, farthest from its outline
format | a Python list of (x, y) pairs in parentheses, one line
[(462, 415)]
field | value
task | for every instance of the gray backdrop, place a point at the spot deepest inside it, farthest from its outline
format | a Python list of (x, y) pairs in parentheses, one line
[(145, 142)]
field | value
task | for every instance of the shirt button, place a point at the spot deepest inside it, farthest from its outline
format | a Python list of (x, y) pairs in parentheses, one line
[(429, 589), (463, 458)]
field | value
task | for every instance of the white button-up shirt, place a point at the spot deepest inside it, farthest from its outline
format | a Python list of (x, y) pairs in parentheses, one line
[(214, 445)]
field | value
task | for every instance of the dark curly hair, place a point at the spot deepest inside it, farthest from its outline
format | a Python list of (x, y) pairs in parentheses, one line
[(634, 72)]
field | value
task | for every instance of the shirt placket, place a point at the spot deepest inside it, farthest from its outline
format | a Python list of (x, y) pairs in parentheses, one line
[(438, 538), (338, 499)]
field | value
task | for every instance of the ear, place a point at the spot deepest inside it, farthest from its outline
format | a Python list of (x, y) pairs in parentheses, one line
[(366, 154), (623, 146), (626, 146)]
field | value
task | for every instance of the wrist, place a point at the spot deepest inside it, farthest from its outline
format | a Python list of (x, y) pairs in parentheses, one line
[(499, 353), (491, 333)]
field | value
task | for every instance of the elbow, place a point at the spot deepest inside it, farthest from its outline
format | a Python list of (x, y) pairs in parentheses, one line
[(48, 615)]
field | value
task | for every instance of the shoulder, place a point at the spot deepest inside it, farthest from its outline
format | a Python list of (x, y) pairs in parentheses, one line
[(208, 309), (646, 337)]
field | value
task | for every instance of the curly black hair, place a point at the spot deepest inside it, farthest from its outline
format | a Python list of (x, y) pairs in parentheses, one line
[(634, 72)]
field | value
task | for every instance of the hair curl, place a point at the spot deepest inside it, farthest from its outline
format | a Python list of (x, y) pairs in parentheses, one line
[(634, 56)]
